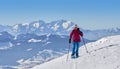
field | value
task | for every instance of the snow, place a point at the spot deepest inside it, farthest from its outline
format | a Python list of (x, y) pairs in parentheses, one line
[(29, 49), (36, 25), (55, 27), (46, 43), (48, 34), (7, 46), (34, 40), (50, 53), (25, 24), (20, 61), (66, 24), (15, 28), (104, 54), (69, 29), (18, 43), (24, 62), (15, 37)]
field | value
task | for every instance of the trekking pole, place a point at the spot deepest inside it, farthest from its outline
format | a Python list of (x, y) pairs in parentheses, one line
[(85, 45), (68, 52)]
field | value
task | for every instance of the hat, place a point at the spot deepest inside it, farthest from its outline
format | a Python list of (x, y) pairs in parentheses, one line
[(76, 26)]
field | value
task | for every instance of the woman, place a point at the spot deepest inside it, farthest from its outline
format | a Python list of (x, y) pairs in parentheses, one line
[(75, 37)]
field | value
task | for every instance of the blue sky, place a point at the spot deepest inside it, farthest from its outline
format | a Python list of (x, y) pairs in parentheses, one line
[(88, 14)]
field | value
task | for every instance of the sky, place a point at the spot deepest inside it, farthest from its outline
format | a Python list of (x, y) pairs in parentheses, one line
[(88, 14)]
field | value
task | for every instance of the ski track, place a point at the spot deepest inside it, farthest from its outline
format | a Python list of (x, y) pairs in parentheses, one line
[(104, 47)]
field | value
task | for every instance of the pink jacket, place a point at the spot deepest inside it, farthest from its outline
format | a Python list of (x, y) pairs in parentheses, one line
[(75, 35)]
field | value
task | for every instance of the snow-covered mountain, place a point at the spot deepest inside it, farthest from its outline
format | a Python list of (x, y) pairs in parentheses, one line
[(103, 54), (40, 27), (97, 34), (4, 28), (61, 27), (27, 50)]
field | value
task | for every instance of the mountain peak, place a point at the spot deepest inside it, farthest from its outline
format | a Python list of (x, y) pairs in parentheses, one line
[(40, 27)]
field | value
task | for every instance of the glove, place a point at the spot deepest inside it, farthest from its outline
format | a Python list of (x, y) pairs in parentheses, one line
[(69, 40)]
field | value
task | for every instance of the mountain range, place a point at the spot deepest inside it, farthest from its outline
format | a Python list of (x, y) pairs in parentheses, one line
[(60, 27), (29, 44)]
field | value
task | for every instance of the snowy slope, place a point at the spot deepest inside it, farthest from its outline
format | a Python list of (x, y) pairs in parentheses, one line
[(104, 54)]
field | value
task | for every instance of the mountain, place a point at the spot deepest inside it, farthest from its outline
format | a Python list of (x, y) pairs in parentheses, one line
[(59, 27), (40, 27), (27, 50), (103, 54), (5, 40), (5, 28), (97, 34), (5, 37)]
